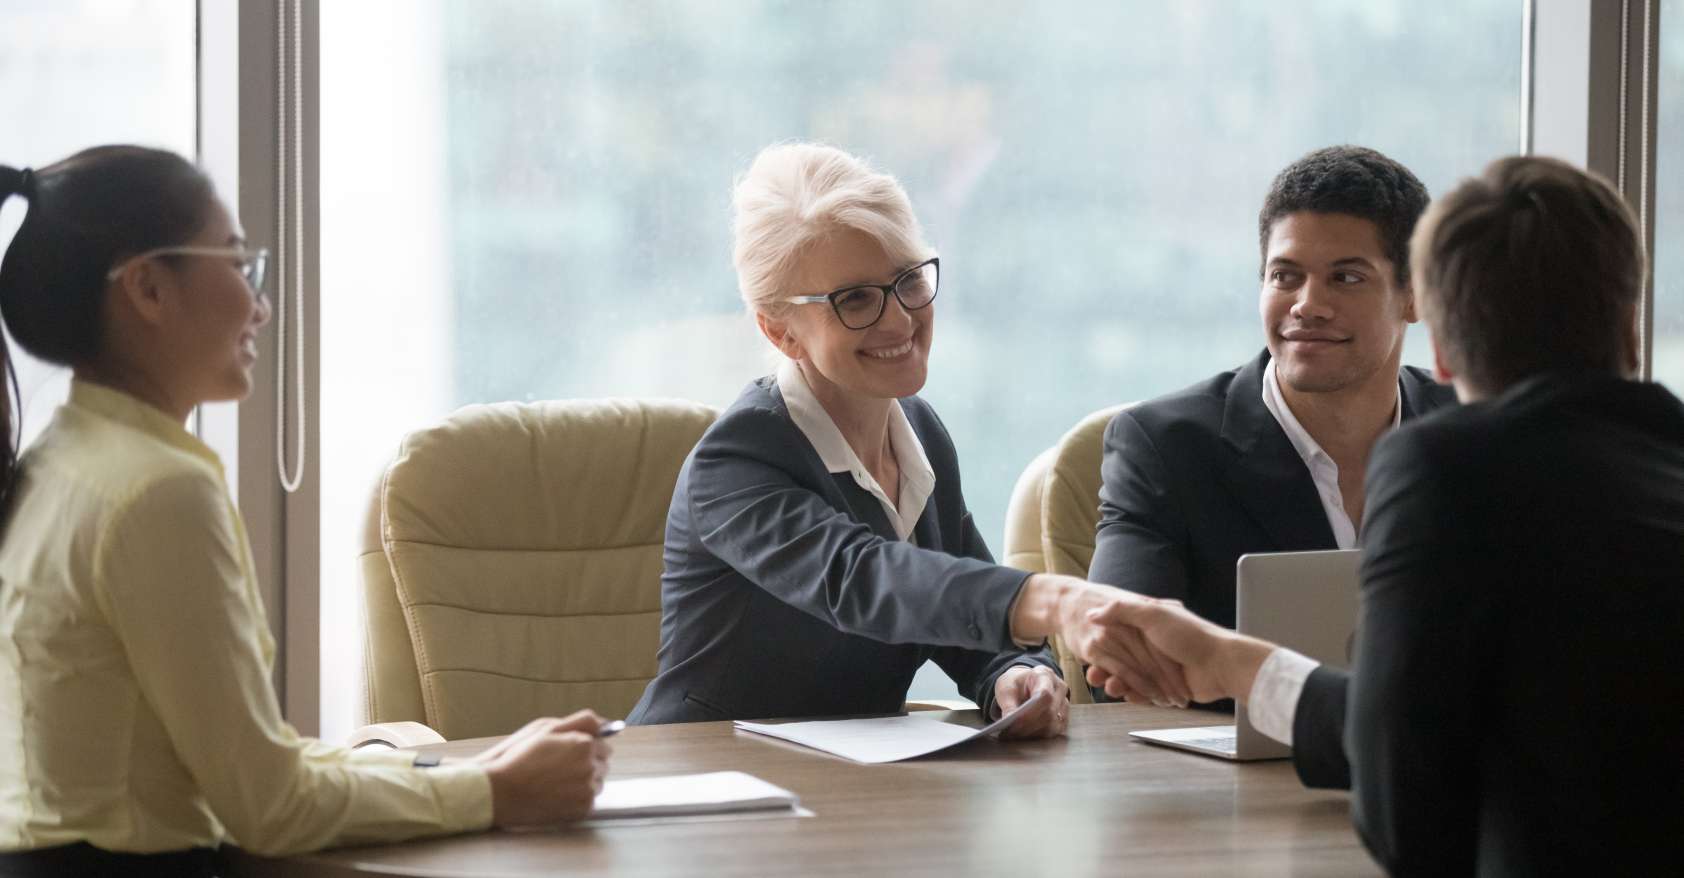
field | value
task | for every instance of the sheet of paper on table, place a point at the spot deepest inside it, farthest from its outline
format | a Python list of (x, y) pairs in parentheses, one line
[(716, 792), (884, 739)]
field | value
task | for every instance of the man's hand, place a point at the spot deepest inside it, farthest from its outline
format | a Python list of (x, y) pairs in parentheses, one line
[(1217, 663), (1019, 684), (1074, 608)]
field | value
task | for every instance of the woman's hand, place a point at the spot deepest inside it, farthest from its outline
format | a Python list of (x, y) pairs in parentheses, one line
[(1094, 621), (1019, 684), (1216, 662), (549, 772)]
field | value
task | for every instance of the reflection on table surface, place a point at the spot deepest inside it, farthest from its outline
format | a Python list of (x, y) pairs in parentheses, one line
[(1095, 803)]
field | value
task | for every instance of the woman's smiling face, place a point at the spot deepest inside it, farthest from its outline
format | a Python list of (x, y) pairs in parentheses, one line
[(887, 360)]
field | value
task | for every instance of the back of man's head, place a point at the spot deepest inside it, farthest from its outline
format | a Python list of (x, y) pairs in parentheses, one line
[(1352, 180), (1534, 266)]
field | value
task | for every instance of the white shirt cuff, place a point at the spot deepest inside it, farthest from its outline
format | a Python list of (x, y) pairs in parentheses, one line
[(1274, 694)]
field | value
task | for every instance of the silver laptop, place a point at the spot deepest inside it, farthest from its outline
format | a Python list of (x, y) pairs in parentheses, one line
[(1306, 601)]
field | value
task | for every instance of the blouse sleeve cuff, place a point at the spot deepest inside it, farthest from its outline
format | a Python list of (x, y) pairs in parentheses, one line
[(464, 796)]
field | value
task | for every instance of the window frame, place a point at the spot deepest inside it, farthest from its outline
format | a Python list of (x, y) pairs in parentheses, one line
[(1588, 75), (238, 126), (1591, 100)]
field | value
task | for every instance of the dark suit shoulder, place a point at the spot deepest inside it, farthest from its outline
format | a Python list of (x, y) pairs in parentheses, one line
[(1422, 394), (1204, 398), (758, 399), (1430, 463), (759, 408), (757, 426), (1193, 413), (1571, 466)]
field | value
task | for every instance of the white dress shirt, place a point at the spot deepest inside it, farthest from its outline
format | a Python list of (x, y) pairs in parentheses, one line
[(1280, 681), (917, 478), (1323, 471)]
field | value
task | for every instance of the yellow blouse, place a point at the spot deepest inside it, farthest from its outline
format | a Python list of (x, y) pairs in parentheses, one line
[(136, 711)]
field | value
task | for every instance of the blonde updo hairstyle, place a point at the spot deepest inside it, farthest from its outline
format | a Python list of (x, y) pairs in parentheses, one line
[(796, 194)]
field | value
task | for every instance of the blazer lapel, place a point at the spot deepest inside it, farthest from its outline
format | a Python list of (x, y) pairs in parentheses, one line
[(1266, 476), (864, 506), (1421, 395), (927, 532)]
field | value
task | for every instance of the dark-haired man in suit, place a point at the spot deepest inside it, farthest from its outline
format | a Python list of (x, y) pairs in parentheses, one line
[(1514, 703), (1270, 456)]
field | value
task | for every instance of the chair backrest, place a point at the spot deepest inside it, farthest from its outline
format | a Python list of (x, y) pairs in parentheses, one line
[(391, 686), (519, 563), (1069, 516), (1070, 495), (1022, 545)]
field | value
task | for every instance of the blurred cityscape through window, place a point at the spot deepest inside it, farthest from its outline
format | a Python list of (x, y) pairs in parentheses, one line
[(545, 189)]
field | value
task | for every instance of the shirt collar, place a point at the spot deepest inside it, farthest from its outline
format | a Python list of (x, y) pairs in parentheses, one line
[(115, 405), (1306, 445), (838, 457)]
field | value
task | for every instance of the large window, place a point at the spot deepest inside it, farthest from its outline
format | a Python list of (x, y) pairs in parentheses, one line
[(78, 73), (528, 200), (1669, 201)]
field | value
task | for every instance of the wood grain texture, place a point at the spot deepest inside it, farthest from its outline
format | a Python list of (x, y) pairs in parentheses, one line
[(1095, 803)]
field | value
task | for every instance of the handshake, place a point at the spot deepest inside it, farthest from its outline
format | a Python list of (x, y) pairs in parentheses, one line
[(1139, 648)]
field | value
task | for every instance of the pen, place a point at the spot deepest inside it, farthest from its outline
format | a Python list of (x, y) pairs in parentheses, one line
[(611, 728)]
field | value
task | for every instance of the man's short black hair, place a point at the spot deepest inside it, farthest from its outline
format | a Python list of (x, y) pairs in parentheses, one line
[(1352, 180), (1534, 266)]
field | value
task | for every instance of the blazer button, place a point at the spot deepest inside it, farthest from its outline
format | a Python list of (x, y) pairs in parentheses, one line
[(976, 633)]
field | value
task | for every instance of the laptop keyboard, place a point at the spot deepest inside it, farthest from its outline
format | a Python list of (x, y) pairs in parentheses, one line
[(1226, 743)]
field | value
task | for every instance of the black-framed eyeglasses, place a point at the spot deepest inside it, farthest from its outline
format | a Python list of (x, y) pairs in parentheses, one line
[(253, 264), (860, 307)]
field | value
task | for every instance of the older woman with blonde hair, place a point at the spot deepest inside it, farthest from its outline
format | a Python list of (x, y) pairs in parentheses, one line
[(818, 546)]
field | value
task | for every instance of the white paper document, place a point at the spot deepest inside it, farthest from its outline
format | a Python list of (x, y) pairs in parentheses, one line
[(714, 793), (884, 739)]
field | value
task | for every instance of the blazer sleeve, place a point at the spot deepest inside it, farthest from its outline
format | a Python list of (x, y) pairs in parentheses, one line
[(1318, 730), (1412, 720), (751, 513), (974, 670), (1141, 541)]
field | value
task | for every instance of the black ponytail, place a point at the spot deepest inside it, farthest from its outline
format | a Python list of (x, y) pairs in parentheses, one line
[(85, 215), (12, 182)]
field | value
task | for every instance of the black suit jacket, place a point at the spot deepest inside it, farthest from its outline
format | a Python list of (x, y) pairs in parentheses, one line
[(1517, 699), (787, 593), (1196, 479)]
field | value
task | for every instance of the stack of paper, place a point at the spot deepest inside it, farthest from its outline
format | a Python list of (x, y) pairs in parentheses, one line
[(884, 739), (719, 792)]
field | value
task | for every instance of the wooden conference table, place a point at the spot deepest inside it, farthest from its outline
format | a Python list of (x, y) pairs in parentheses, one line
[(1095, 803)]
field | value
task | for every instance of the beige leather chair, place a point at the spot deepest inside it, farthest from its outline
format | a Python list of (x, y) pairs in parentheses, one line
[(1022, 546), (1052, 515), (511, 562)]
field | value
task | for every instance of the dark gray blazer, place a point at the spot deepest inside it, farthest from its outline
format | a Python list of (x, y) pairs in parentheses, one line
[(786, 592)]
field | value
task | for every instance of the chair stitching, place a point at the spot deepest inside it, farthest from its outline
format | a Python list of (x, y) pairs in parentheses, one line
[(540, 549), (467, 609), (640, 678), (429, 699)]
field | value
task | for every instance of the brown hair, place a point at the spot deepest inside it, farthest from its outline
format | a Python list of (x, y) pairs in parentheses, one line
[(1533, 266)]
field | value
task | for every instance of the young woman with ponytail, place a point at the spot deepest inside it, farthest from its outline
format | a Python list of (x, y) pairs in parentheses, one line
[(138, 729)]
